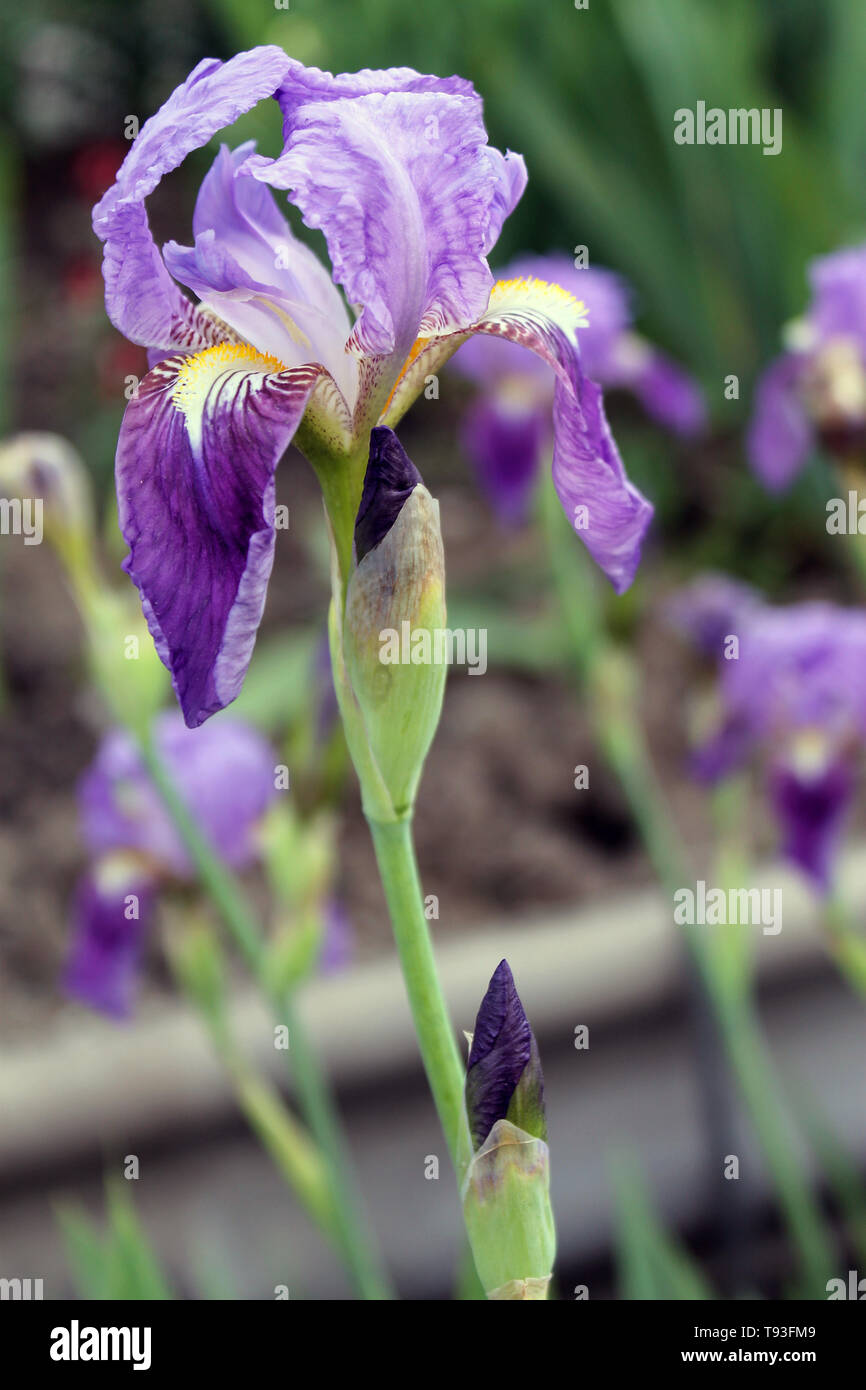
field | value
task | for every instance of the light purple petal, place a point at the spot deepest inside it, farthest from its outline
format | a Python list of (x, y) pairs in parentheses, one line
[(608, 315), (195, 483), (609, 352), (225, 773), (838, 305), (780, 435), (303, 86), (248, 267), (396, 171), (141, 298), (609, 514), (111, 916)]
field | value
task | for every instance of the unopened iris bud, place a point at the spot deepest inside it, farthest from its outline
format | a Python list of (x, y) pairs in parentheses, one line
[(506, 1195), (393, 621), (45, 473)]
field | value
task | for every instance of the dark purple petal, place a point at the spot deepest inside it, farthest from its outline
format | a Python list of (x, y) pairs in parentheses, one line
[(113, 907), (225, 773), (811, 811), (141, 298), (502, 1048), (195, 484), (780, 435), (506, 446), (396, 171), (389, 482)]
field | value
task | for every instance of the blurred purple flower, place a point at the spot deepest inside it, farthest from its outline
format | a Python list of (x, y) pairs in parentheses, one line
[(225, 774), (816, 391), (706, 612), (394, 169), (503, 1076), (507, 431), (795, 696)]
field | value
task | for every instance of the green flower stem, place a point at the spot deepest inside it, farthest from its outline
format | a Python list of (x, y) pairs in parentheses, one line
[(611, 685), (313, 1094), (294, 1154), (395, 855), (847, 945)]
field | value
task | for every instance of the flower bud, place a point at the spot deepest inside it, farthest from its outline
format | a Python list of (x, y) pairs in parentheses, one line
[(506, 1195), (394, 619), (46, 467)]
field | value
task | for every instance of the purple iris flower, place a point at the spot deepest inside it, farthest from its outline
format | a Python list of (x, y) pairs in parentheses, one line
[(225, 774), (816, 391), (503, 1076), (794, 694), (506, 432), (394, 169)]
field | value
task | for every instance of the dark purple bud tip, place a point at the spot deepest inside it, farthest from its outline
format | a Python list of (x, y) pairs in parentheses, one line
[(503, 1078), (390, 480)]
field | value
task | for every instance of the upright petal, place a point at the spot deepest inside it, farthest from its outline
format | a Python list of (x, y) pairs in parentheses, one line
[(302, 86), (195, 482), (251, 270), (396, 171), (141, 298), (780, 436)]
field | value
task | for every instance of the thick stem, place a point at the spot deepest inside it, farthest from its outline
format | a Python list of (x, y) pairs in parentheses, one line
[(395, 855)]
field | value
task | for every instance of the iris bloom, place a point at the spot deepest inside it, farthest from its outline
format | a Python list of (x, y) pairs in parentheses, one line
[(506, 431), (225, 774), (816, 391), (395, 170), (795, 697)]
